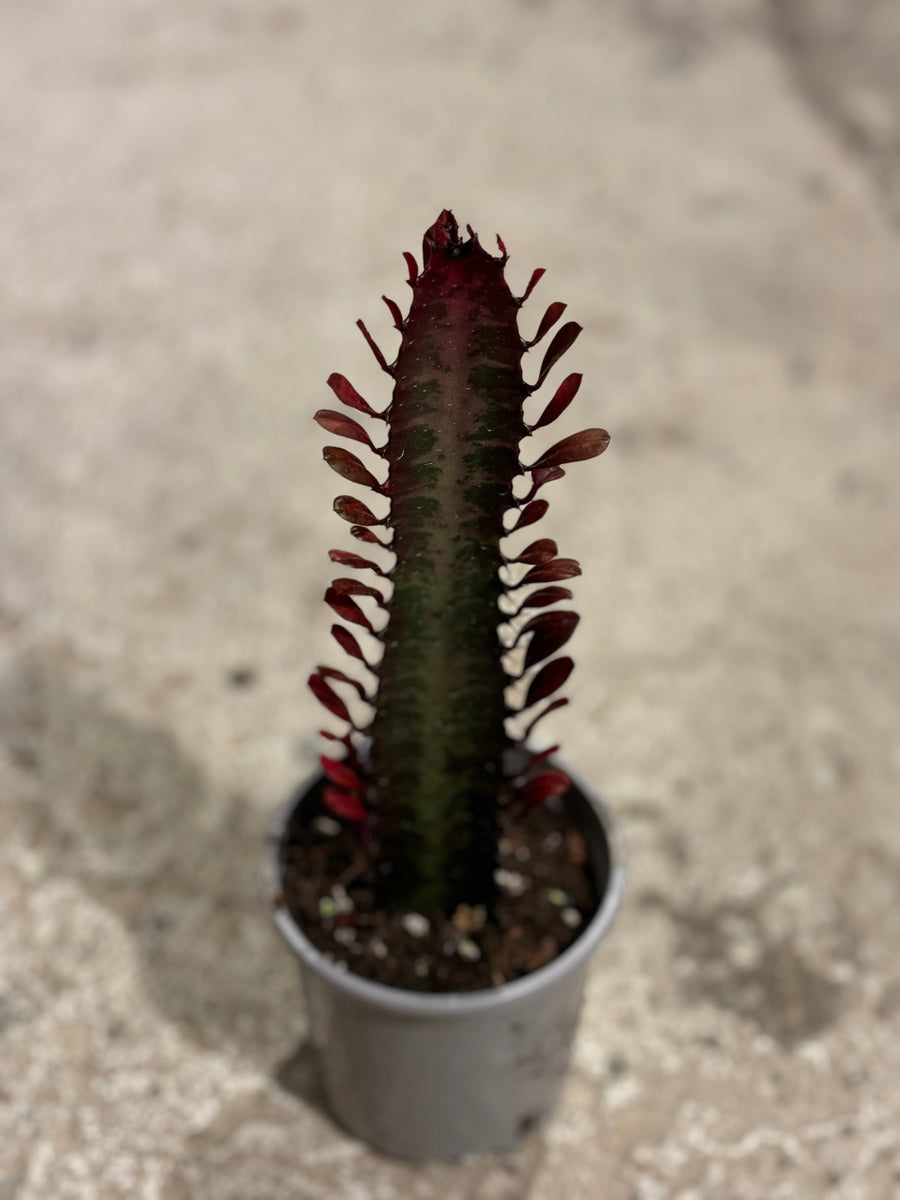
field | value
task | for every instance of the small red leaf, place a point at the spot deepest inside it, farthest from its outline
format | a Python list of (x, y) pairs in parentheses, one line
[(346, 741), (366, 535), (550, 677), (549, 633), (539, 478), (412, 266), (535, 760), (394, 310), (538, 552), (349, 467), (539, 790), (562, 398), (529, 514), (557, 348), (326, 695), (560, 702), (548, 320), (343, 426), (342, 677), (348, 559), (574, 448), (348, 643), (352, 509), (347, 609), (354, 587), (501, 247), (341, 774), (347, 394), (532, 282), (544, 596), (343, 804), (379, 357), (551, 572)]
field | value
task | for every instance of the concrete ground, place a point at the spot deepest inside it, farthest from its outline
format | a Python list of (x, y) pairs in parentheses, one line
[(196, 202)]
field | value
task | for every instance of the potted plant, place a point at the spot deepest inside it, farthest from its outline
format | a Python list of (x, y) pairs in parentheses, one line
[(442, 883)]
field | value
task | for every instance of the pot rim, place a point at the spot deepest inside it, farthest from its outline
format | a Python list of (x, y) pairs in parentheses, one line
[(409, 1003)]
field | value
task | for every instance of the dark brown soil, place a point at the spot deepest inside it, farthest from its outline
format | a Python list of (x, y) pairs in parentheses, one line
[(546, 897)]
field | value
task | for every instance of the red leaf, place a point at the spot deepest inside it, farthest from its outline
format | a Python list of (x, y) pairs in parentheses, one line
[(548, 320), (538, 552), (326, 695), (343, 804), (379, 357), (539, 790), (550, 677), (352, 509), (347, 394), (551, 572), (347, 609), (532, 282), (549, 633), (331, 673), (354, 587), (539, 478), (560, 702), (346, 742), (394, 310), (348, 643), (574, 448), (535, 760), (544, 596), (529, 514), (557, 348), (349, 467), (335, 422), (347, 559), (562, 398), (412, 267), (366, 535), (341, 774), (500, 245)]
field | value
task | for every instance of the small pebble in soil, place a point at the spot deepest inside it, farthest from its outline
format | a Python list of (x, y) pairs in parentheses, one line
[(558, 897), (553, 841), (416, 925), (468, 950), (327, 908), (469, 918), (343, 903), (522, 854), (421, 967), (510, 882), (378, 948), (326, 826), (344, 935), (571, 917)]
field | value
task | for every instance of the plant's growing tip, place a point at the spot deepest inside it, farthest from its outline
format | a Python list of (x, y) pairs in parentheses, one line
[(470, 635)]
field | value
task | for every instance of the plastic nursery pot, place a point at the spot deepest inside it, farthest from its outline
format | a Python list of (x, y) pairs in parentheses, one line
[(437, 1075)]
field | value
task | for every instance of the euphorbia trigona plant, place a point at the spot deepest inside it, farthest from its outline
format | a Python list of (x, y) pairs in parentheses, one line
[(427, 777)]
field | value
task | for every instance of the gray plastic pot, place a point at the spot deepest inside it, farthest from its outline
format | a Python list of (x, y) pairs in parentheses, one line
[(424, 1075)]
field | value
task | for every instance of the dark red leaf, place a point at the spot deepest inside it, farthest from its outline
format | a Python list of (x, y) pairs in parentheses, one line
[(550, 677), (341, 774), (538, 552), (549, 633), (343, 426), (574, 448), (366, 535), (347, 394), (501, 246), (539, 478), (347, 609), (548, 320), (348, 642), (529, 514), (535, 760), (532, 282), (412, 266), (326, 695), (551, 572), (394, 310), (544, 596), (379, 357), (342, 677), (354, 587), (348, 559), (560, 702), (539, 790), (352, 509), (349, 467), (346, 741), (562, 398), (557, 348), (343, 804)]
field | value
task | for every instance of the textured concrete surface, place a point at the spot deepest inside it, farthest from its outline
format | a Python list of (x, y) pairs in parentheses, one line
[(196, 202)]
